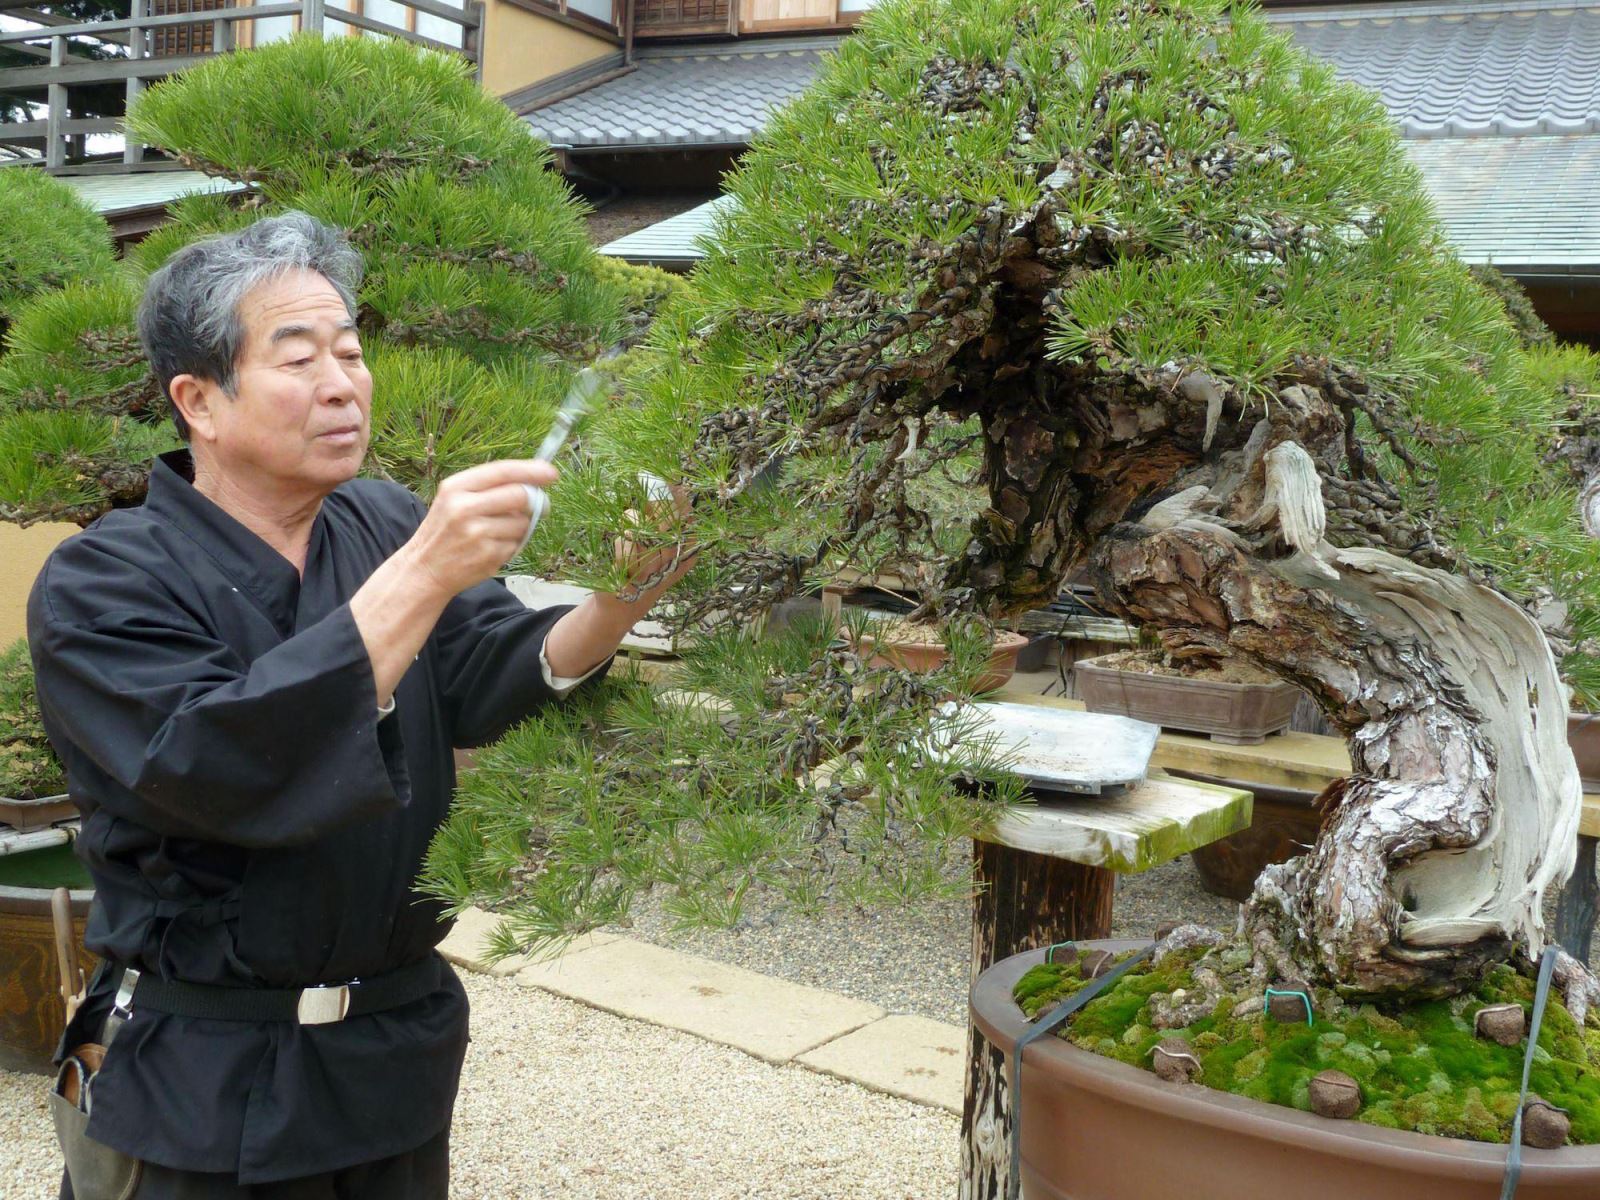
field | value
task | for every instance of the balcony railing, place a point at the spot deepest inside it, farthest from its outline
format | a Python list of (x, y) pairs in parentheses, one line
[(149, 44)]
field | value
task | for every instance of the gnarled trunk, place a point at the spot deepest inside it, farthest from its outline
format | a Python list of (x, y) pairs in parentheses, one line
[(1462, 807)]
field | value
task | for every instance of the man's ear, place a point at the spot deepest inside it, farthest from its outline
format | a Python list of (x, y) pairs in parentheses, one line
[(196, 399)]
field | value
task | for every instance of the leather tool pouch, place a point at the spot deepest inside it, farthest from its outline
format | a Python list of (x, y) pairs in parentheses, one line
[(97, 1171)]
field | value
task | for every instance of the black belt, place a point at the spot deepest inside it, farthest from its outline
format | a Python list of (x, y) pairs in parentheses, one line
[(320, 1005)]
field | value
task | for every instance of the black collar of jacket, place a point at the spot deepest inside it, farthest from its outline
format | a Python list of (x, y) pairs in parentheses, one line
[(269, 577)]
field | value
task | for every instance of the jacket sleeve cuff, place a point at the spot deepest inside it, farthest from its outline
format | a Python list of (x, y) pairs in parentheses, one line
[(562, 684)]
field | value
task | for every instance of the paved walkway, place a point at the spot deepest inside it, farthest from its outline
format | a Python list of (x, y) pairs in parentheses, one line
[(779, 1022), (624, 1071)]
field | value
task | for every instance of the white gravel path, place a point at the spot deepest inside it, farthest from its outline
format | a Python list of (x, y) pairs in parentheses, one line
[(561, 1100)]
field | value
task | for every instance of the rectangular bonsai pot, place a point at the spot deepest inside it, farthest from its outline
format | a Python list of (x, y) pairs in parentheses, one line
[(1241, 714), (40, 813)]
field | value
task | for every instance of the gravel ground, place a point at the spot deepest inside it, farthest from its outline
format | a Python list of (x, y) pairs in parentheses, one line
[(560, 1100), (913, 960)]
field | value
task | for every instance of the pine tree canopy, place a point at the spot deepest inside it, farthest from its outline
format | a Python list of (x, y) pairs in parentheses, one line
[(989, 236), (481, 295), (51, 238)]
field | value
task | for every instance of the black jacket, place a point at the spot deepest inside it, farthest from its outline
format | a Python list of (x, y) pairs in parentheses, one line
[(249, 820)]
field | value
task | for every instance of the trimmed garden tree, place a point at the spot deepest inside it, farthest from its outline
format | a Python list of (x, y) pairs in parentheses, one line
[(1172, 298), (480, 300)]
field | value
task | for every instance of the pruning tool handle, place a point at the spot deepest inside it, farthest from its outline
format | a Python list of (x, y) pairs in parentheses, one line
[(73, 985)]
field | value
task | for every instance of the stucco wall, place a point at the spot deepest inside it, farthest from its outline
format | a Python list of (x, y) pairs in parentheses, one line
[(521, 48), (22, 553)]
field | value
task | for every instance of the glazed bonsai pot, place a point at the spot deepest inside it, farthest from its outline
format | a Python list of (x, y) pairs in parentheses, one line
[(924, 656), (1241, 714), (31, 1011), (1097, 1129), (39, 813)]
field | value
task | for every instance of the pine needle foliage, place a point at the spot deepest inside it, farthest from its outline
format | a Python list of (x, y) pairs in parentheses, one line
[(481, 296), (805, 775), (51, 238), (29, 768)]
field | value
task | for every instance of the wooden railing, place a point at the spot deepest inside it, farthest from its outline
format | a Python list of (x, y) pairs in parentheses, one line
[(148, 46)]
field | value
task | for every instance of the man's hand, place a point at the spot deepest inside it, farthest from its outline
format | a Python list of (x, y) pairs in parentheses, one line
[(591, 633), (652, 572), (476, 524)]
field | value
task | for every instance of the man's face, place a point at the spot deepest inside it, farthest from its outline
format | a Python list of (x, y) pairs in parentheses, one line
[(299, 416)]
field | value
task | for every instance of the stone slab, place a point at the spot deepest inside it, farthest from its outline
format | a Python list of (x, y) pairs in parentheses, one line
[(467, 946), (772, 1019), (911, 1057)]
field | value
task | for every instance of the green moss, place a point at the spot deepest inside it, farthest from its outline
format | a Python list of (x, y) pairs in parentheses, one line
[(1419, 1067)]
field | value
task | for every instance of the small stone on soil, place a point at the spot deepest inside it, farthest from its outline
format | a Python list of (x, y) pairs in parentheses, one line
[(1095, 963), (1175, 1061), (1335, 1094), (1502, 1023), (1288, 1005), (1544, 1126)]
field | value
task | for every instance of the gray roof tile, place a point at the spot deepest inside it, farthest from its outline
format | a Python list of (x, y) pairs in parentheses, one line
[(719, 94), (1453, 69)]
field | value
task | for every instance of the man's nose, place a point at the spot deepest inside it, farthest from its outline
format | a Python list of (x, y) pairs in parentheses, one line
[(334, 385)]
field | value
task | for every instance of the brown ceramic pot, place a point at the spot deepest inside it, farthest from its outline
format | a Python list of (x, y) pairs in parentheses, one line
[(31, 1010), (1283, 823), (1097, 1129), (922, 657), (1240, 714), (1583, 735)]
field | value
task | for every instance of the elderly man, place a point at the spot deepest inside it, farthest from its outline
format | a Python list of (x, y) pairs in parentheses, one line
[(255, 682)]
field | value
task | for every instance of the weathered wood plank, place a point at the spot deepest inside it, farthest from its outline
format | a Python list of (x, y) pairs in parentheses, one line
[(1141, 827)]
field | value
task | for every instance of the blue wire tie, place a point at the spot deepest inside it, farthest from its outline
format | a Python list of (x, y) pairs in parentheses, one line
[(1271, 992), (1050, 954)]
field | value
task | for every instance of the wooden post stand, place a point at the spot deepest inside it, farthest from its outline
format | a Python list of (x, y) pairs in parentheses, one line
[(1047, 873), (1025, 901)]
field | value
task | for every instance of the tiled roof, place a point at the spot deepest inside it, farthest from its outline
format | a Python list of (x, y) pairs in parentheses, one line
[(695, 95), (131, 190), (1459, 70), (1526, 204), (1456, 68), (673, 242)]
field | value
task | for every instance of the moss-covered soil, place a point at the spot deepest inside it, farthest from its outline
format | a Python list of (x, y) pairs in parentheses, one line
[(1420, 1068)]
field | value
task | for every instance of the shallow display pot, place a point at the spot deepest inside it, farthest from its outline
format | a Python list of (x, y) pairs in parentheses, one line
[(1240, 714), (922, 657), (1097, 1129), (38, 813)]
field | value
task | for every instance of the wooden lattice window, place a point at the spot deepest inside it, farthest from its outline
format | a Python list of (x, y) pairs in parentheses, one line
[(655, 14), (167, 41)]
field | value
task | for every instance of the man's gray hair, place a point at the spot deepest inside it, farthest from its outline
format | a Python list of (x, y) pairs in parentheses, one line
[(189, 316)]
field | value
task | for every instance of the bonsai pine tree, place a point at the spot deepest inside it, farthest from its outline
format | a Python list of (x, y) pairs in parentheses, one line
[(52, 238), (1145, 289), (480, 300)]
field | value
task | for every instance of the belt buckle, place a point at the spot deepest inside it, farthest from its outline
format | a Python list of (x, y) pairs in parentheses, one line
[(324, 1004)]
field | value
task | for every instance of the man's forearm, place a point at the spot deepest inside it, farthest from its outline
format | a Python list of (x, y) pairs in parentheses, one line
[(588, 635), (395, 610)]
